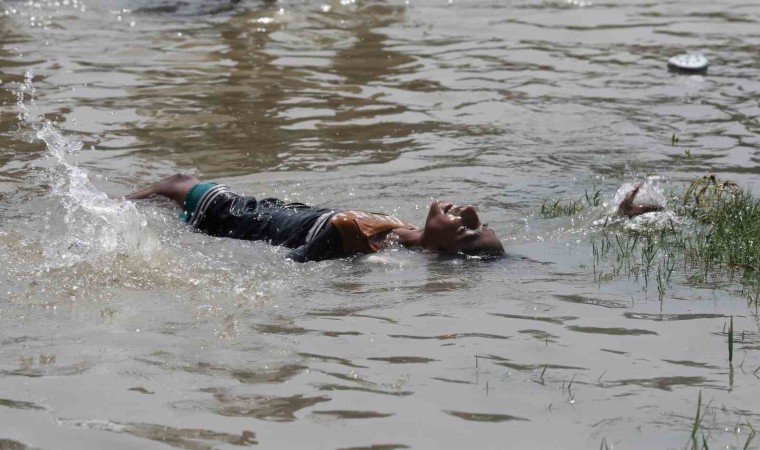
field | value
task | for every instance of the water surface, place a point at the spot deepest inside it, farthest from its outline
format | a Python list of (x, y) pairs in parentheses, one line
[(119, 328)]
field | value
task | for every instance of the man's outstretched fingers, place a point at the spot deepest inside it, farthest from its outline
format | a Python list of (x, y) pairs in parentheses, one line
[(145, 193), (625, 205)]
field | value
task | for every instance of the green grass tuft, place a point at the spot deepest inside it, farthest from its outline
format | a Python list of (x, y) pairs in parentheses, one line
[(557, 208)]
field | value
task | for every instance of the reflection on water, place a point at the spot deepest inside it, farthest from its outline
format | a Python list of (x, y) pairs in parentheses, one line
[(119, 327), (484, 417), (280, 409), (18, 405), (10, 444), (353, 414), (184, 438), (611, 331), (258, 99)]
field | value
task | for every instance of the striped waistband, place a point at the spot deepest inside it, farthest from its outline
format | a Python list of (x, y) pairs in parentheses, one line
[(319, 225), (204, 202)]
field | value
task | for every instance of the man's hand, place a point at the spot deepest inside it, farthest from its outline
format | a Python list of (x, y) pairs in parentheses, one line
[(628, 209)]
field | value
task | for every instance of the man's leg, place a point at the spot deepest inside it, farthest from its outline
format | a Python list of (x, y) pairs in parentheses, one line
[(175, 187)]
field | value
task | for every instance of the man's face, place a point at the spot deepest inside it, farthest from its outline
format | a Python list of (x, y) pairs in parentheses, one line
[(451, 229)]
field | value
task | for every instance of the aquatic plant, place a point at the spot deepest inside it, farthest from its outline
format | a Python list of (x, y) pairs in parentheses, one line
[(751, 436), (557, 208), (701, 442), (731, 341), (697, 422), (730, 236)]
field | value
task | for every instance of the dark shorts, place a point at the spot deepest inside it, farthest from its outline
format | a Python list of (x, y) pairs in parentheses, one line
[(215, 210)]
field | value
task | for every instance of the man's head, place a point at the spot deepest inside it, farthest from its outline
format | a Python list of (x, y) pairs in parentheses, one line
[(457, 229)]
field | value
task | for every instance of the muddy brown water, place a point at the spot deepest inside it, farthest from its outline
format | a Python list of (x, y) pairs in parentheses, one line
[(121, 329)]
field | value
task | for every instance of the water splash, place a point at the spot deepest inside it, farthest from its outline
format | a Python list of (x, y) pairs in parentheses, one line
[(653, 191), (84, 225), (28, 111)]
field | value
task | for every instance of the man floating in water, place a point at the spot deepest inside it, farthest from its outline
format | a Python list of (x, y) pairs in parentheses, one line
[(317, 234)]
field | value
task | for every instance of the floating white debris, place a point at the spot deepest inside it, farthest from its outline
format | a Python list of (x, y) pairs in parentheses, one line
[(688, 62)]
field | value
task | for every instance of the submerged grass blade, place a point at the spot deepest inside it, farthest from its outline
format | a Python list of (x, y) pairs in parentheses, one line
[(697, 420), (731, 340), (750, 437)]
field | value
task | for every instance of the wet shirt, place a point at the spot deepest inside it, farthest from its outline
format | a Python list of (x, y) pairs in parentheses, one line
[(364, 232), (314, 233)]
